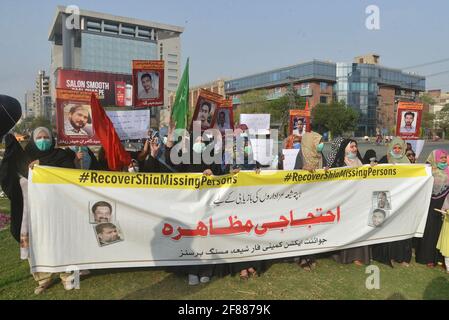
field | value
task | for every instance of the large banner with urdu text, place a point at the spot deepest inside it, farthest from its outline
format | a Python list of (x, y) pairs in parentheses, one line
[(93, 219)]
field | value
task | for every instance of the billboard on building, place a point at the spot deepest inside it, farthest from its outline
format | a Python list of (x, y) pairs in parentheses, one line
[(148, 83), (102, 83), (408, 123)]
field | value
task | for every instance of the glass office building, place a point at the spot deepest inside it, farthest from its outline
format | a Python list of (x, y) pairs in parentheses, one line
[(113, 54), (107, 43), (314, 70), (358, 85)]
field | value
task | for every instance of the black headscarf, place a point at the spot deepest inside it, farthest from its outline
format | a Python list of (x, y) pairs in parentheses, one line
[(368, 155), (55, 157), (340, 157)]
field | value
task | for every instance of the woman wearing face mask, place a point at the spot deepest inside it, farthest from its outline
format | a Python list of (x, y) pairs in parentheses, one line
[(396, 251), (311, 155), (196, 274), (310, 158), (426, 251), (235, 161), (395, 152), (348, 155), (41, 151)]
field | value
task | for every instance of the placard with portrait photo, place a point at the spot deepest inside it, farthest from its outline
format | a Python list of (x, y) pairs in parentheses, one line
[(299, 122), (74, 118), (224, 117), (408, 123), (148, 83), (205, 109)]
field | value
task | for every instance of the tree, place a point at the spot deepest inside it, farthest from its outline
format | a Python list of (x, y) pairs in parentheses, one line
[(254, 101), (427, 99), (29, 124), (335, 117), (428, 119), (443, 118)]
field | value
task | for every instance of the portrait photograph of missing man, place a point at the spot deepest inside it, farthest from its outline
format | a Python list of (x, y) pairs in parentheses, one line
[(298, 125), (381, 207), (101, 212), (408, 122), (148, 85), (223, 121), (108, 233), (77, 119), (205, 113), (382, 200)]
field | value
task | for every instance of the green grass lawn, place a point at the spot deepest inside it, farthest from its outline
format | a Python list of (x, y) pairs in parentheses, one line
[(281, 281)]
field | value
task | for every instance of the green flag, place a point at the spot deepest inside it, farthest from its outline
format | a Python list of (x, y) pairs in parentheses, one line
[(181, 105)]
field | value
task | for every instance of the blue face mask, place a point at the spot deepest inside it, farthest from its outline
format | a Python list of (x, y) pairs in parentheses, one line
[(442, 165), (351, 155), (396, 156), (43, 144), (199, 147), (320, 147), (296, 145)]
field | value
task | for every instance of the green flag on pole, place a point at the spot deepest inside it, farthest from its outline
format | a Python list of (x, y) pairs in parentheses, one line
[(181, 105)]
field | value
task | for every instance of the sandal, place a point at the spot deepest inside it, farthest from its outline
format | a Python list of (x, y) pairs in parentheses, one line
[(43, 286), (304, 264)]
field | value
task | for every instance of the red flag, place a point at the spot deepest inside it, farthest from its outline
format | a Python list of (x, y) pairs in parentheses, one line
[(115, 154), (307, 104)]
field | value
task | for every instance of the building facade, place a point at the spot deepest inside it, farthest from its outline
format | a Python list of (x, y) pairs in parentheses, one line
[(38, 101), (370, 89), (101, 42), (313, 80)]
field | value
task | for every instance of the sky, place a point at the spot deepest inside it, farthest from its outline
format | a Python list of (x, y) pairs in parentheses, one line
[(233, 38)]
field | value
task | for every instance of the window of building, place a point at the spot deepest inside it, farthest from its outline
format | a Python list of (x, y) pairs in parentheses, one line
[(323, 99), (323, 86)]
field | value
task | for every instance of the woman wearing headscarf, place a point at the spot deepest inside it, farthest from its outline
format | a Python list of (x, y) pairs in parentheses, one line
[(395, 152), (335, 147), (310, 158), (369, 157), (348, 155), (311, 155), (293, 141), (236, 160), (396, 251), (196, 274), (426, 251), (41, 150)]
